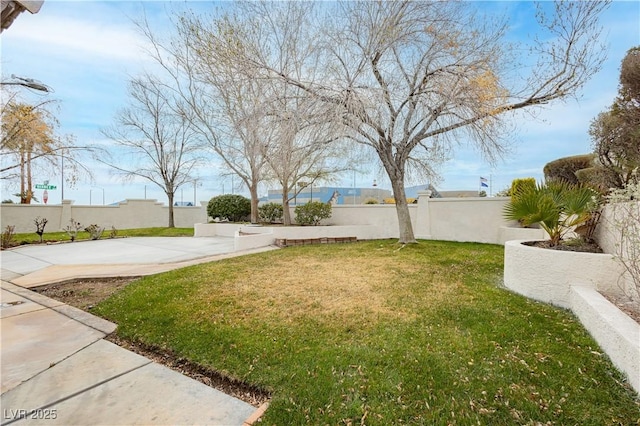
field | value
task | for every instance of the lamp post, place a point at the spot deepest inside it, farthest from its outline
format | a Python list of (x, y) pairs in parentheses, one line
[(62, 180), (28, 83)]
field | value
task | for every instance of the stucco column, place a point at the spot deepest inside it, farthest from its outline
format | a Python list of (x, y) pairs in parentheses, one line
[(66, 214), (423, 219)]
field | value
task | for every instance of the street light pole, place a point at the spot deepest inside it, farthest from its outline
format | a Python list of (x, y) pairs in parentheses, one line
[(62, 181), (195, 184), (27, 82)]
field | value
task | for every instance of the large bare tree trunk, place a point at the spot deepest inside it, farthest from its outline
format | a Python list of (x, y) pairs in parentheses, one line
[(286, 211), (405, 227)]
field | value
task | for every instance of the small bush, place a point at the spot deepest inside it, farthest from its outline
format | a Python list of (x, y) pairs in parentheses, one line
[(73, 228), (232, 207), (598, 177), (312, 213), (564, 169), (40, 223), (521, 185), (114, 232), (7, 236), (95, 231), (371, 201), (506, 192), (270, 212)]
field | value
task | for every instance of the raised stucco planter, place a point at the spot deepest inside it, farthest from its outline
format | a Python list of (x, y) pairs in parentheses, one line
[(547, 275), (573, 280), (508, 233)]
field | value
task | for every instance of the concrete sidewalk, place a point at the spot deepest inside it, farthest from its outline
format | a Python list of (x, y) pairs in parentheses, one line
[(55, 365)]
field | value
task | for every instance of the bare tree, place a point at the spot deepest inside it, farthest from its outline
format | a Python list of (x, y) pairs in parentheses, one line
[(156, 142), (410, 79), (265, 130), (223, 105), (306, 146)]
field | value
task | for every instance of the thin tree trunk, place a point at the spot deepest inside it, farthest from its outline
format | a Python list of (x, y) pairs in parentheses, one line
[(170, 197), (402, 209), (23, 189), (286, 212), (253, 189), (29, 194)]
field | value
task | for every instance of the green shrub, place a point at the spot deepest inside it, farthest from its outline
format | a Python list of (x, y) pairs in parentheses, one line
[(312, 213), (521, 185), (232, 207), (270, 212), (598, 177), (564, 169), (371, 201)]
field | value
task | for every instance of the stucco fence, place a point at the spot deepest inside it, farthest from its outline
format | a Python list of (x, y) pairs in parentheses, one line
[(454, 219), (128, 214)]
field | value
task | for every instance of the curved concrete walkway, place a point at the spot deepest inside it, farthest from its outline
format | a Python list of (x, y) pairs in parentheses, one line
[(56, 367)]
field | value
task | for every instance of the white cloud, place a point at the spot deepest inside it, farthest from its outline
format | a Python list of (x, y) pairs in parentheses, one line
[(104, 38)]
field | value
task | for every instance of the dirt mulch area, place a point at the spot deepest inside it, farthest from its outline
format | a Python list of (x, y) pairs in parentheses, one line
[(86, 293), (626, 305), (568, 245)]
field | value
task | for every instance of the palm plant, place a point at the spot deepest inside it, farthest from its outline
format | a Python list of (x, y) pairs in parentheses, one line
[(557, 207)]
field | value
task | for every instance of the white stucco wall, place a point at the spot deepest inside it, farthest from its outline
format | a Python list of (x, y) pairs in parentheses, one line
[(126, 215), (616, 333), (461, 219), (454, 219), (21, 216), (609, 237), (381, 215), (547, 275)]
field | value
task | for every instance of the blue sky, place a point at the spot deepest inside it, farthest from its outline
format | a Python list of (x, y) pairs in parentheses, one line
[(85, 51)]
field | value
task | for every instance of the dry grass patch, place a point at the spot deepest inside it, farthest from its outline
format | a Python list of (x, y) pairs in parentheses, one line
[(347, 290)]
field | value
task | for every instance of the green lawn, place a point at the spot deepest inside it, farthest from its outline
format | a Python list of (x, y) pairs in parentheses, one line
[(372, 333), (32, 238)]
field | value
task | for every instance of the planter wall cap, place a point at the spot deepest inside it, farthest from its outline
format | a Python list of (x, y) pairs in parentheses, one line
[(565, 253), (616, 333)]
